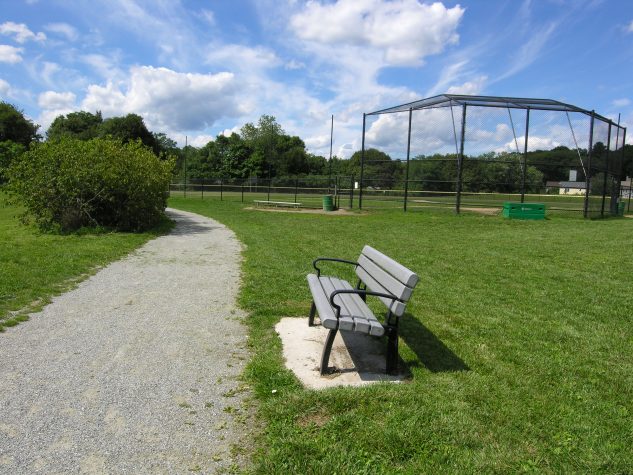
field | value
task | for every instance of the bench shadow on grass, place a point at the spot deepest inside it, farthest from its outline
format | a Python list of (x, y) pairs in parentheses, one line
[(432, 353)]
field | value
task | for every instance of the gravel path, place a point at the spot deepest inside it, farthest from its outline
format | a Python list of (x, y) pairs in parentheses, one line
[(135, 371)]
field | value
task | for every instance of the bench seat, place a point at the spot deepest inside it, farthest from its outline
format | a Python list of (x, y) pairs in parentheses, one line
[(355, 314)]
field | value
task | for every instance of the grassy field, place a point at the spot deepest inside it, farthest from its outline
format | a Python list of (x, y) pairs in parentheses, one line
[(519, 339), (35, 266)]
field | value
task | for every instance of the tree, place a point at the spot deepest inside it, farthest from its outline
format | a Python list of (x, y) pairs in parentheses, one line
[(128, 129), (15, 127), (80, 125), (379, 170)]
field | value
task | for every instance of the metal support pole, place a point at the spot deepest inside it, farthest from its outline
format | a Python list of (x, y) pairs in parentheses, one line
[(269, 183), (185, 155), (242, 192), (330, 162), (525, 151), (221, 190), (362, 166), (296, 186), (351, 193), (406, 177), (202, 190), (460, 162), (606, 172), (588, 173)]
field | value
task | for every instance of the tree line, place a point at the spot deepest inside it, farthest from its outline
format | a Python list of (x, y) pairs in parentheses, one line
[(263, 150)]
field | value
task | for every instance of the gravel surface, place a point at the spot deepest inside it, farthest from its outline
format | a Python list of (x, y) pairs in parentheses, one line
[(136, 370)]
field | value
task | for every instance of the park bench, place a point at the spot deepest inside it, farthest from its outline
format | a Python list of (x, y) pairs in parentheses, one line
[(343, 307), (286, 204)]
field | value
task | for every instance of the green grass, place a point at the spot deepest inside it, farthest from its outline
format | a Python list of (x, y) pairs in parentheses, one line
[(519, 339), (36, 266)]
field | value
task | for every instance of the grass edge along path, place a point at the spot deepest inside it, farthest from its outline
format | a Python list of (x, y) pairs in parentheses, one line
[(37, 266), (518, 338)]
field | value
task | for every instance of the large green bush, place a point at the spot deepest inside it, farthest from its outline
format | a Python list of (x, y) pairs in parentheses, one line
[(69, 184)]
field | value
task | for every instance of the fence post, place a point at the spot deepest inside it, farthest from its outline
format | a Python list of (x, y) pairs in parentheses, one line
[(606, 172), (296, 186), (242, 192), (525, 151), (460, 162), (406, 178), (362, 166), (585, 212), (351, 192), (269, 182), (202, 190)]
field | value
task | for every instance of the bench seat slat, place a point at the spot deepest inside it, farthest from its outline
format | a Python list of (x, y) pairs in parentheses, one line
[(400, 272), (397, 308), (386, 280), (355, 314)]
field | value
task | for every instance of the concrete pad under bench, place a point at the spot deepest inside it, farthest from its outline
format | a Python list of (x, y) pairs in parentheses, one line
[(358, 360)]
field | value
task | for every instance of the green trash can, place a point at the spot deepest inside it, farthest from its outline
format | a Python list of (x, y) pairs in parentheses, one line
[(328, 203), (621, 206)]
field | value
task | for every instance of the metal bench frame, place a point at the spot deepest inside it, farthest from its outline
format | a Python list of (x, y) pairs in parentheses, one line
[(390, 324)]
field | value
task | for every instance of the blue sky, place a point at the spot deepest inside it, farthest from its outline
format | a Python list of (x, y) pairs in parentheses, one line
[(200, 68)]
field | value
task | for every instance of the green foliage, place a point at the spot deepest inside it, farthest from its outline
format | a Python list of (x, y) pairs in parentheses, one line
[(9, 151), (128, 129), (15, 127), (80, 125), (68, 184)]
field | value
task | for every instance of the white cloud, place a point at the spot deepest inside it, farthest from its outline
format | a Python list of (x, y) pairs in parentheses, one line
[(529, 51), (63, 29), (4, 88), (293, 64), (405, 31), (472, 87), (168, 100), (629, 28), (20, 32), (621, 102), (208, 16), (56, 100), (242, 58), (10, 54)]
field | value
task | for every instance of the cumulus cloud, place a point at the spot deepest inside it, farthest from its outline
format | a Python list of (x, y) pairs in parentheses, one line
[(169, 100), (473, 87), (56, 100), (10, 54), (404, 30), (20, 32), (63, 29)]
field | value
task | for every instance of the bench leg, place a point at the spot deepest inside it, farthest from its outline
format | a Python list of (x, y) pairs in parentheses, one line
[(392, 351), (311, 317), (327, 349)]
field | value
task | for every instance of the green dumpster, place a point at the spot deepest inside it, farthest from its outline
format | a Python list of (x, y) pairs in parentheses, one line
[(621, 206), (328, 203)]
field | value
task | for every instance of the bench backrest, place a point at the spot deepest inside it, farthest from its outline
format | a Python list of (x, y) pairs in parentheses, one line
[(382, 274)]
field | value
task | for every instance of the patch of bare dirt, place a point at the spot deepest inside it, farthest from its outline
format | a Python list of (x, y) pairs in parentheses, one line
[(338, 212)]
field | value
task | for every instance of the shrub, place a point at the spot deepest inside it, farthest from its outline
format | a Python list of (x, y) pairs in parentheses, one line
[(69, 184)]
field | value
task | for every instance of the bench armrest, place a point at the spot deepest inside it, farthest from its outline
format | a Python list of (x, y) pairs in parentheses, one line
[(331, 259), (358, 292)]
